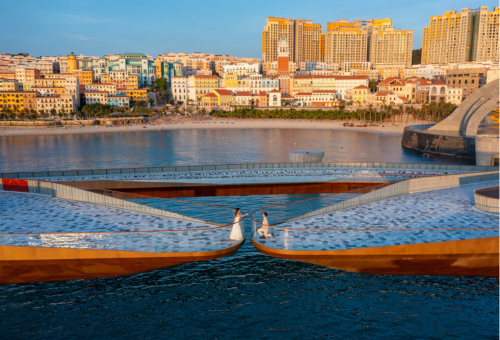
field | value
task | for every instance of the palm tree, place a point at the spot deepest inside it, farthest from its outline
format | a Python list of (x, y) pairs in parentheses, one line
[(389, 111), (423, 109), (85, 109), (433, 108), (6, 112), (359, 112), (16, 112), (24, 113)]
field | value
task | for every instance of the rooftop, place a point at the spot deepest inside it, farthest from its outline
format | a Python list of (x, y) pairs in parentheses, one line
[(107, 84), (205, 76), (243, 93), (124, 55), (387, 81), (224, 92), (438, 82)]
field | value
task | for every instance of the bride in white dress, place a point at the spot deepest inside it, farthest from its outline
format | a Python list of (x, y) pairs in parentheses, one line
[(236, 231)]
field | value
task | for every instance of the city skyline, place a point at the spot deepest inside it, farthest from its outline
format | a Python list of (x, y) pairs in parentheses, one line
[(105, 28)]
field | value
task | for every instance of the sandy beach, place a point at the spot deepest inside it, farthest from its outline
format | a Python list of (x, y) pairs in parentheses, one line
[(388, 129)]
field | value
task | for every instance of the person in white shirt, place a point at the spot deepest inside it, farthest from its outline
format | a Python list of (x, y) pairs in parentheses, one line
[(263, 232)]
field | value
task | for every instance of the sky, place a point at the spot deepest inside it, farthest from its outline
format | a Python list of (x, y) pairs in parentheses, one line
[(154, 27)]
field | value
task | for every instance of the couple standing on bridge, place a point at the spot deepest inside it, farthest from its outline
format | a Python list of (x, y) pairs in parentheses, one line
[(237, 231)]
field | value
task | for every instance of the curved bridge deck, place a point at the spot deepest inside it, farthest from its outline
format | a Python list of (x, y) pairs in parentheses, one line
[(422, 217), (47, 239), (418, 226)]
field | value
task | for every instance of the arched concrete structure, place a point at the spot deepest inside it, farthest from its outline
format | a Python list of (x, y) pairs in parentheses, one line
[(469, 114)]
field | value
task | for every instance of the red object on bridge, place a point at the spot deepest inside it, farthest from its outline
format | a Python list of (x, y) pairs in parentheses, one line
[(10, 184)]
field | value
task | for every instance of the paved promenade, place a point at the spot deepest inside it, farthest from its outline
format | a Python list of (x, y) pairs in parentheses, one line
[(264, 175), (28, 213), (440, 209)]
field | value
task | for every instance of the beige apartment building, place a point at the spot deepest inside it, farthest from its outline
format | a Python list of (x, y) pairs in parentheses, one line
[(454, 96), (401, 88), (466, 79), (306, 39), (306, 83), (369, 25), (68, 80), (25, 74), (388, 45), (455, 37), (375, 41), (345, 43), (271, 35), (107, 87), (93, 97), (437, 91), (360, 95), (9, 85), (487, 36), (63, 103)]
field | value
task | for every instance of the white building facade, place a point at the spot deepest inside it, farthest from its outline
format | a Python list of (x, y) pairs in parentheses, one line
[(242, 69), (178, 89)]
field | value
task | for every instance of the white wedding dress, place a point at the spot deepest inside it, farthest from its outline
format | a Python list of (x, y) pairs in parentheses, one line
[(236, 231)]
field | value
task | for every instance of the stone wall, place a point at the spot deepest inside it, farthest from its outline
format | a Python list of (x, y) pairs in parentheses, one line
[(486, 149), (434, 143)]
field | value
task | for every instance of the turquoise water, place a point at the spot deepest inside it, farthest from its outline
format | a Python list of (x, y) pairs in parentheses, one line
[(281, 207)]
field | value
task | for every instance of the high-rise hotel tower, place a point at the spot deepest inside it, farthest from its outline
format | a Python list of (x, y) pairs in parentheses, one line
[(373, 40), (471, 35), (305, 39)]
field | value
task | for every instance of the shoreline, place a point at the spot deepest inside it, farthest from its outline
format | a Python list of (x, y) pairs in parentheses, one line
[(389, 129)]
